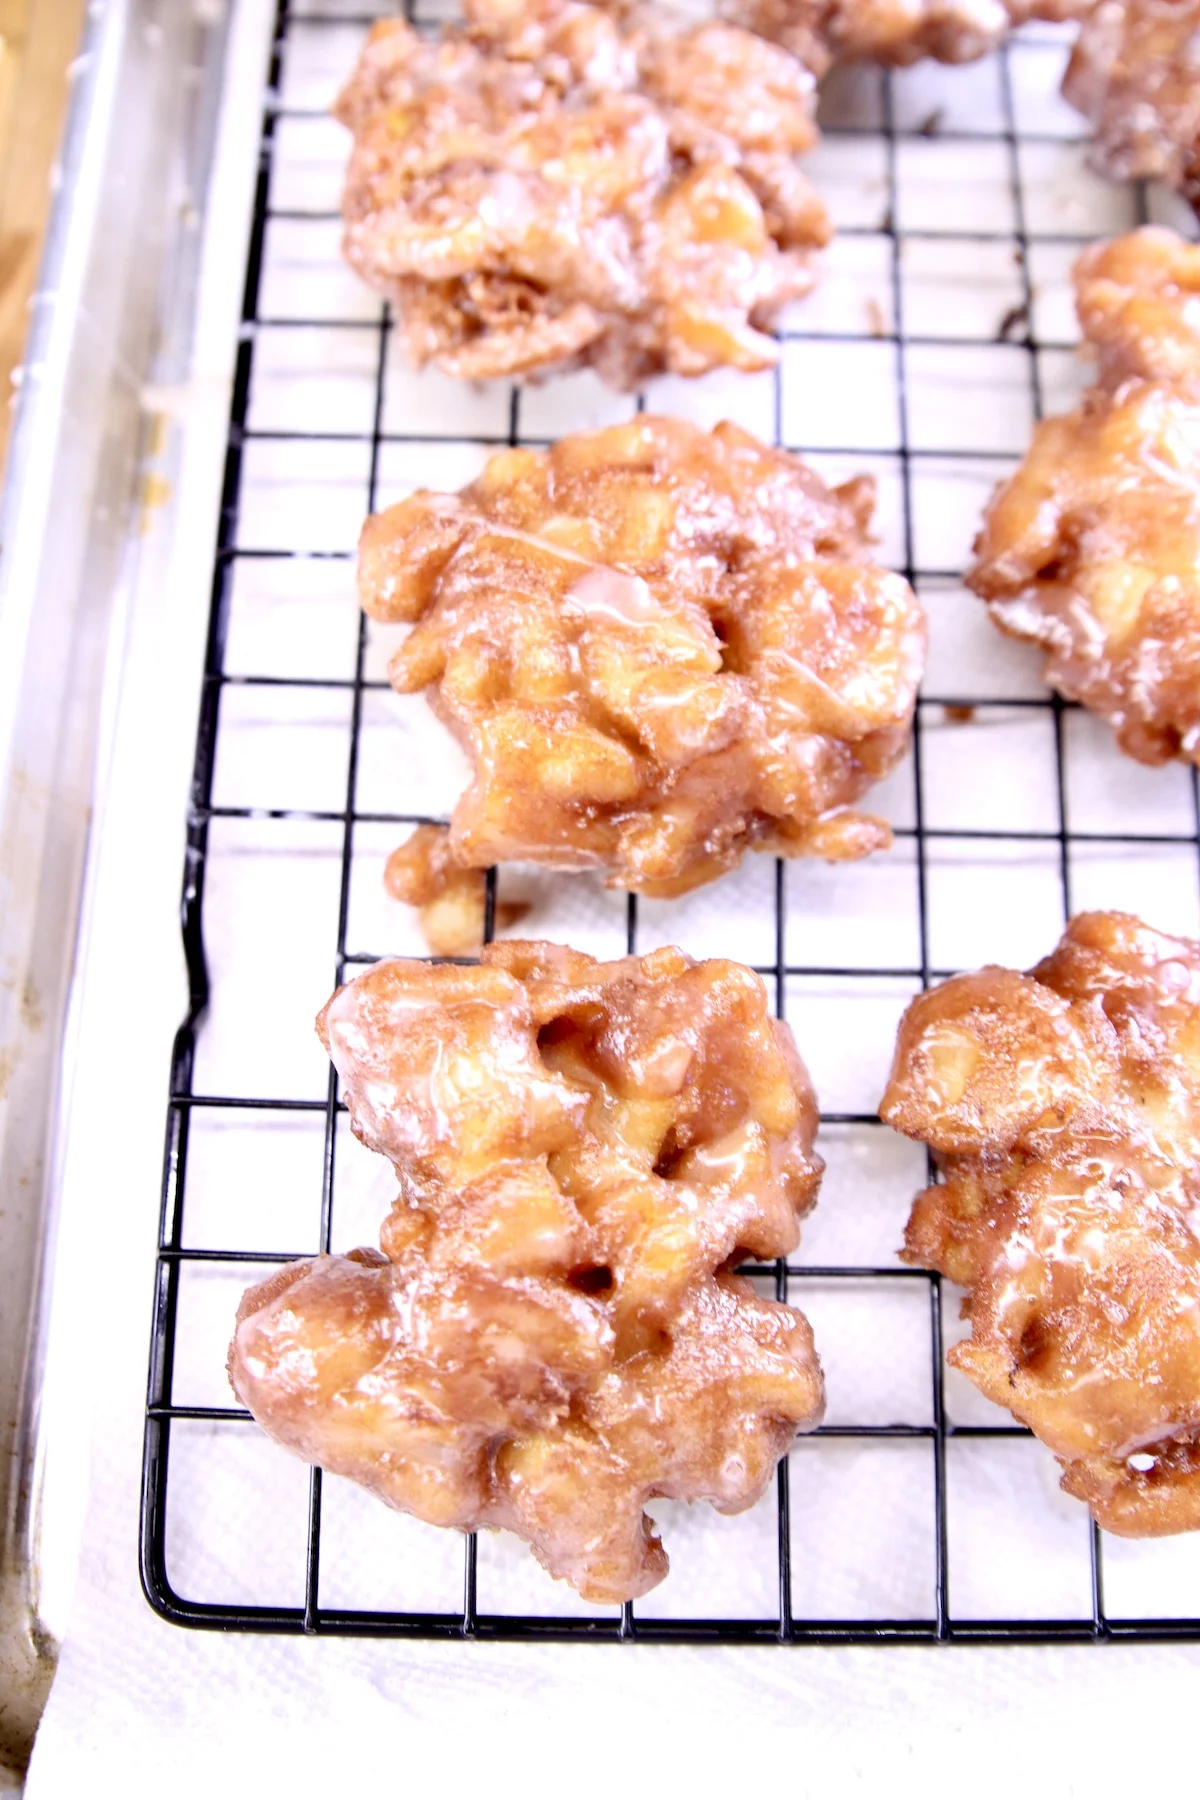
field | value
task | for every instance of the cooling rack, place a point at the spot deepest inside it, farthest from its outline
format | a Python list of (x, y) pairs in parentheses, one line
[(917, 1512)]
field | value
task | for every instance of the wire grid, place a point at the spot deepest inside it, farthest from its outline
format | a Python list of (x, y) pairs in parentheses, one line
[(860, 1541)]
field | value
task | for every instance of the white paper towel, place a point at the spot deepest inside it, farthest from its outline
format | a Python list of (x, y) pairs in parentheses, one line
[(141, 1707)]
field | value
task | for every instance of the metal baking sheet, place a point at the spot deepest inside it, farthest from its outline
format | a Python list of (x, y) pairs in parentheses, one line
[(113, 309)]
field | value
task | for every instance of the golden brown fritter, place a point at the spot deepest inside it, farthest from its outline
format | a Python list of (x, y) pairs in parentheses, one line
[(822, 32), (1135, 74), (1063, 1109), (453, 900), (1138, 298), (552, 1337), (1092, 549), (660, 646), (554, 187)]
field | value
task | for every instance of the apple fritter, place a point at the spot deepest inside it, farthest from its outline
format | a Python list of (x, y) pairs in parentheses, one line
[(660, 647), (552, 1335), (452, 900), (823, 32), (1063, 1109), (553, 186), (1138, 298), (1135, 74), (1092, 549)]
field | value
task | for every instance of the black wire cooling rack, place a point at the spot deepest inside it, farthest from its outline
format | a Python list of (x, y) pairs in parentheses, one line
[(937, 1436)]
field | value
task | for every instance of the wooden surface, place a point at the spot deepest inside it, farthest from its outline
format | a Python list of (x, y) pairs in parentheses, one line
[(38, 41)]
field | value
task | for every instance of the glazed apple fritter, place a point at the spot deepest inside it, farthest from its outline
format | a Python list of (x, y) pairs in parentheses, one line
[(551, 1336), (1092, 549), (1138, 299), (660, 646), (554, 187), (823, 32), (1063, 1109), (452, 900), (1135, 74)]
